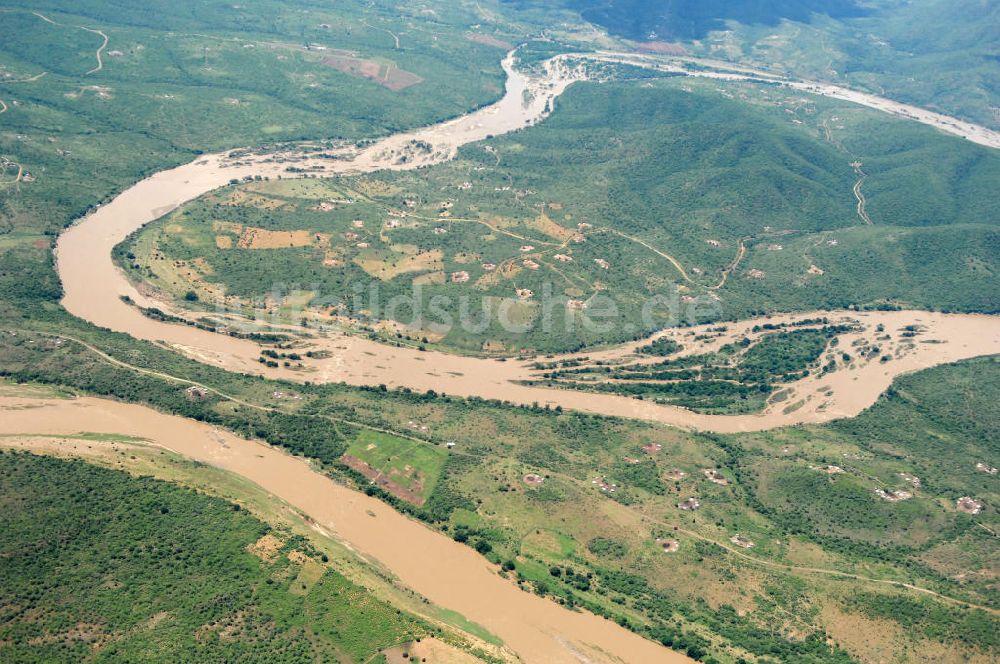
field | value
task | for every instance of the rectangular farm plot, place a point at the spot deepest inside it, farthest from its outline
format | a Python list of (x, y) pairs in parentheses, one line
[(405, 468), (544, 224), (303, 188), (387, 265), (248, 237), (260, 238), (387, 75), (241, 197)]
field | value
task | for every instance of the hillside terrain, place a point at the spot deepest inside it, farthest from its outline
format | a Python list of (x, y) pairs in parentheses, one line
[(721, 202), (817, 509), (689, 20), (866, 539), (933, 53), (180, 78), (94, 95)]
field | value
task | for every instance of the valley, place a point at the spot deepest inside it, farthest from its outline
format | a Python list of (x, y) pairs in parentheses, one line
[(499, 331)]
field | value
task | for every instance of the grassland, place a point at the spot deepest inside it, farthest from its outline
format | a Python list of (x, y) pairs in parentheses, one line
[(936, 54), (636, 205), (83, 118), (179, 576), (180, 78)]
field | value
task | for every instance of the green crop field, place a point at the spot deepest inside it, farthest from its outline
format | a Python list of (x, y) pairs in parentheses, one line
[(411, 468)]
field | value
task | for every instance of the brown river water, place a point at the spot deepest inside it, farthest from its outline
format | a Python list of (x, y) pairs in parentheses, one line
[(93, 284), (449, 574)]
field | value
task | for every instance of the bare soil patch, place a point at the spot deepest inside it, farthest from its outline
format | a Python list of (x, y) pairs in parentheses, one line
[(383, 481), (893, 495), (969, 505), (430, 650), (390, 267), (544, 224), (388, 75), (260, 238), (438, 277), (690, 504), (713, 475), (266, 548), (487, 40)]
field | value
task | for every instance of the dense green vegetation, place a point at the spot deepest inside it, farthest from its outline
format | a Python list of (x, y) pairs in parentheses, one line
[(562, 235), (738, 377), (180, 78), (660, 347), (184, 65), (939, 622), (97, 565), (939, 54), (643, 20)]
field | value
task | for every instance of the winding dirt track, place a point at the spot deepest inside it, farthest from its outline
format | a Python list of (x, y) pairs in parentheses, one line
[(567, 478), (100, 50), (93, 285), (862, 213), (447, 573)]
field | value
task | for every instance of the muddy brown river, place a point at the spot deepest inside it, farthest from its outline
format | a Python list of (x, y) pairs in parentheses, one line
[(449, 574), (94, 285)]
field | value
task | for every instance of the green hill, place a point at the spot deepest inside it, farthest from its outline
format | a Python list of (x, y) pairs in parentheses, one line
[(726, 201)]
